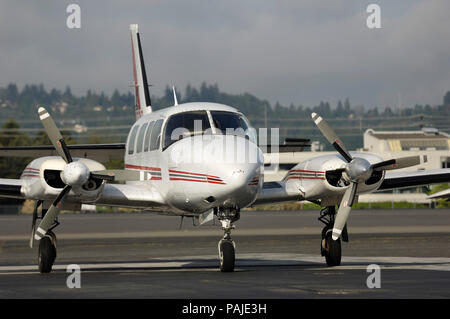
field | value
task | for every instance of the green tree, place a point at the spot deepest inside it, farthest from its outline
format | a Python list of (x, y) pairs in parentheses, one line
[(11, 167)]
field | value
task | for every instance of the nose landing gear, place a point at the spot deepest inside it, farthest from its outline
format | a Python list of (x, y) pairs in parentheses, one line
[(47, 252), (47, 244), (329, 248), (226, 245)]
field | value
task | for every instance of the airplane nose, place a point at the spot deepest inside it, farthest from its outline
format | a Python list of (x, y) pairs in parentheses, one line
[(239, 166), (229, 169)]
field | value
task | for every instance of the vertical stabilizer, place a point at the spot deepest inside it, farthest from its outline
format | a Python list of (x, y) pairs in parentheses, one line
[(142, 94)]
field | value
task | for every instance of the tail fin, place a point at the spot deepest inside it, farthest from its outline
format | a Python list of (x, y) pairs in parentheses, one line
[(142, 94)]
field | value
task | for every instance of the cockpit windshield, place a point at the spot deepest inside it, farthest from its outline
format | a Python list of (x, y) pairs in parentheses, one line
[(185, 124), (191, 123), (232, 124), (228, 121)]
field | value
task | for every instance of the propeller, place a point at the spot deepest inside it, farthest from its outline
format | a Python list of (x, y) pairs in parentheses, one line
[(74, 175), (358, 170)]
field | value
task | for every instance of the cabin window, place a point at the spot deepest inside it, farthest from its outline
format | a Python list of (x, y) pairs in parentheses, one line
[(147, 136), (140, 139), (156, 136), (184, 125), (132, 139)]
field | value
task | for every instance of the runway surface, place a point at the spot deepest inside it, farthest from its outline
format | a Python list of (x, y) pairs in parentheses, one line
[(142, 255)]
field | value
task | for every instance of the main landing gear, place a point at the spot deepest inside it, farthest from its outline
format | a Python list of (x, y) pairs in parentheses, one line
[(226, 245), (47, 244), (329, 248)]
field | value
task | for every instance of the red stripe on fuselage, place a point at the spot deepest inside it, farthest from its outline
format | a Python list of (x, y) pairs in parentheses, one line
[(182, 172), (144, 168), (195, 180)]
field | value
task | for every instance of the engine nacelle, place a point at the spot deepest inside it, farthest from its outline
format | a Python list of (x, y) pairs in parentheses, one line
[(43, 179), (322, 178)]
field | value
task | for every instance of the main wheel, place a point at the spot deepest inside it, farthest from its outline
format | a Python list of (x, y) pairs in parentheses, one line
[(332, 250), (226, 255), (46, 254)]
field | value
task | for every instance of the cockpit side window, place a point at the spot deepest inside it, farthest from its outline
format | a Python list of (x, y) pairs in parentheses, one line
[(155, 139), (132, 139), (140, 139), (184, 125)]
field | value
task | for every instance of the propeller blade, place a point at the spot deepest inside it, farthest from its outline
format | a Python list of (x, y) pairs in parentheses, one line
[(331, 136), (344, 210), (51, 214), (54, 135), (398, 163)]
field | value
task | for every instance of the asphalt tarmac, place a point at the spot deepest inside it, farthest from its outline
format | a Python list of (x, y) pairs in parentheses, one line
[(143, 255)]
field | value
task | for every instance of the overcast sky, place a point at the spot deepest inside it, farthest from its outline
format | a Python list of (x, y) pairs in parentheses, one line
[(288, 51)]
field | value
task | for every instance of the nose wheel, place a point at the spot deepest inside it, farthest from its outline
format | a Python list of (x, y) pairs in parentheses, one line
[(332, 250), (226, 245), (329, 248), (226, 255)]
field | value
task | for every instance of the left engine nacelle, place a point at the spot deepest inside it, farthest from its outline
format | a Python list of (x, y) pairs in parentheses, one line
[(43, 180)]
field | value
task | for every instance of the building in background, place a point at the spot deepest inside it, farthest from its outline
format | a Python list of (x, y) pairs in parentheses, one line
[(428, 141)]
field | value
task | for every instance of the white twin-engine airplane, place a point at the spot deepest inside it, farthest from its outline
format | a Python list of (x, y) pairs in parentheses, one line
[(158, 177)]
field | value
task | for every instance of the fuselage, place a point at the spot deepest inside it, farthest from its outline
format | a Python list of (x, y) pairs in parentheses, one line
[(198, 156)]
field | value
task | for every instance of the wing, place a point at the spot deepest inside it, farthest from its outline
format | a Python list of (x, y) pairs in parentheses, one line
[(395, 180), (131, 195), (119, 195), (441, 194), (10, 188), (275, 192), (100, 152)]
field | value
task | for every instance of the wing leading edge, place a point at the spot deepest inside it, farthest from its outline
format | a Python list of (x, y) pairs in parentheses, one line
[(100, 152), (394, 180), (11, 188), (275, 192)]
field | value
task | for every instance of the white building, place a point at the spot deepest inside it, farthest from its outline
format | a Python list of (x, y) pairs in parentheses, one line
[(428, 141)]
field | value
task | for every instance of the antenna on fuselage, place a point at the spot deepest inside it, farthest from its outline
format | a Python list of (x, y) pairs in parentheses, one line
[(175, 101)]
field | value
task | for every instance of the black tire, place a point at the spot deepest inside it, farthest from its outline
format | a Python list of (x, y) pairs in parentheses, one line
[(46, 255), (333, 251), (226, 256)]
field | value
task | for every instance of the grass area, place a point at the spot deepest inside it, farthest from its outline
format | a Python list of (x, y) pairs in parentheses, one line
[(311, 206)]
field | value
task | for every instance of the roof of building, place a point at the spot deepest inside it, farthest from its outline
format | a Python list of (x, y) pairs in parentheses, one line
[(427, 138), (424, 134)]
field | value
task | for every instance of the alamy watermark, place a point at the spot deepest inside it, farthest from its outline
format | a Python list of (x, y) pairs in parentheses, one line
[(74, 279), (234, 146), (374, 279), (373, 21), (73, 20)]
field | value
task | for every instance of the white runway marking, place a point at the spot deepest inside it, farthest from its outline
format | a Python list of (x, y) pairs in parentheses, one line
[(238, 232), (249, 260)]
